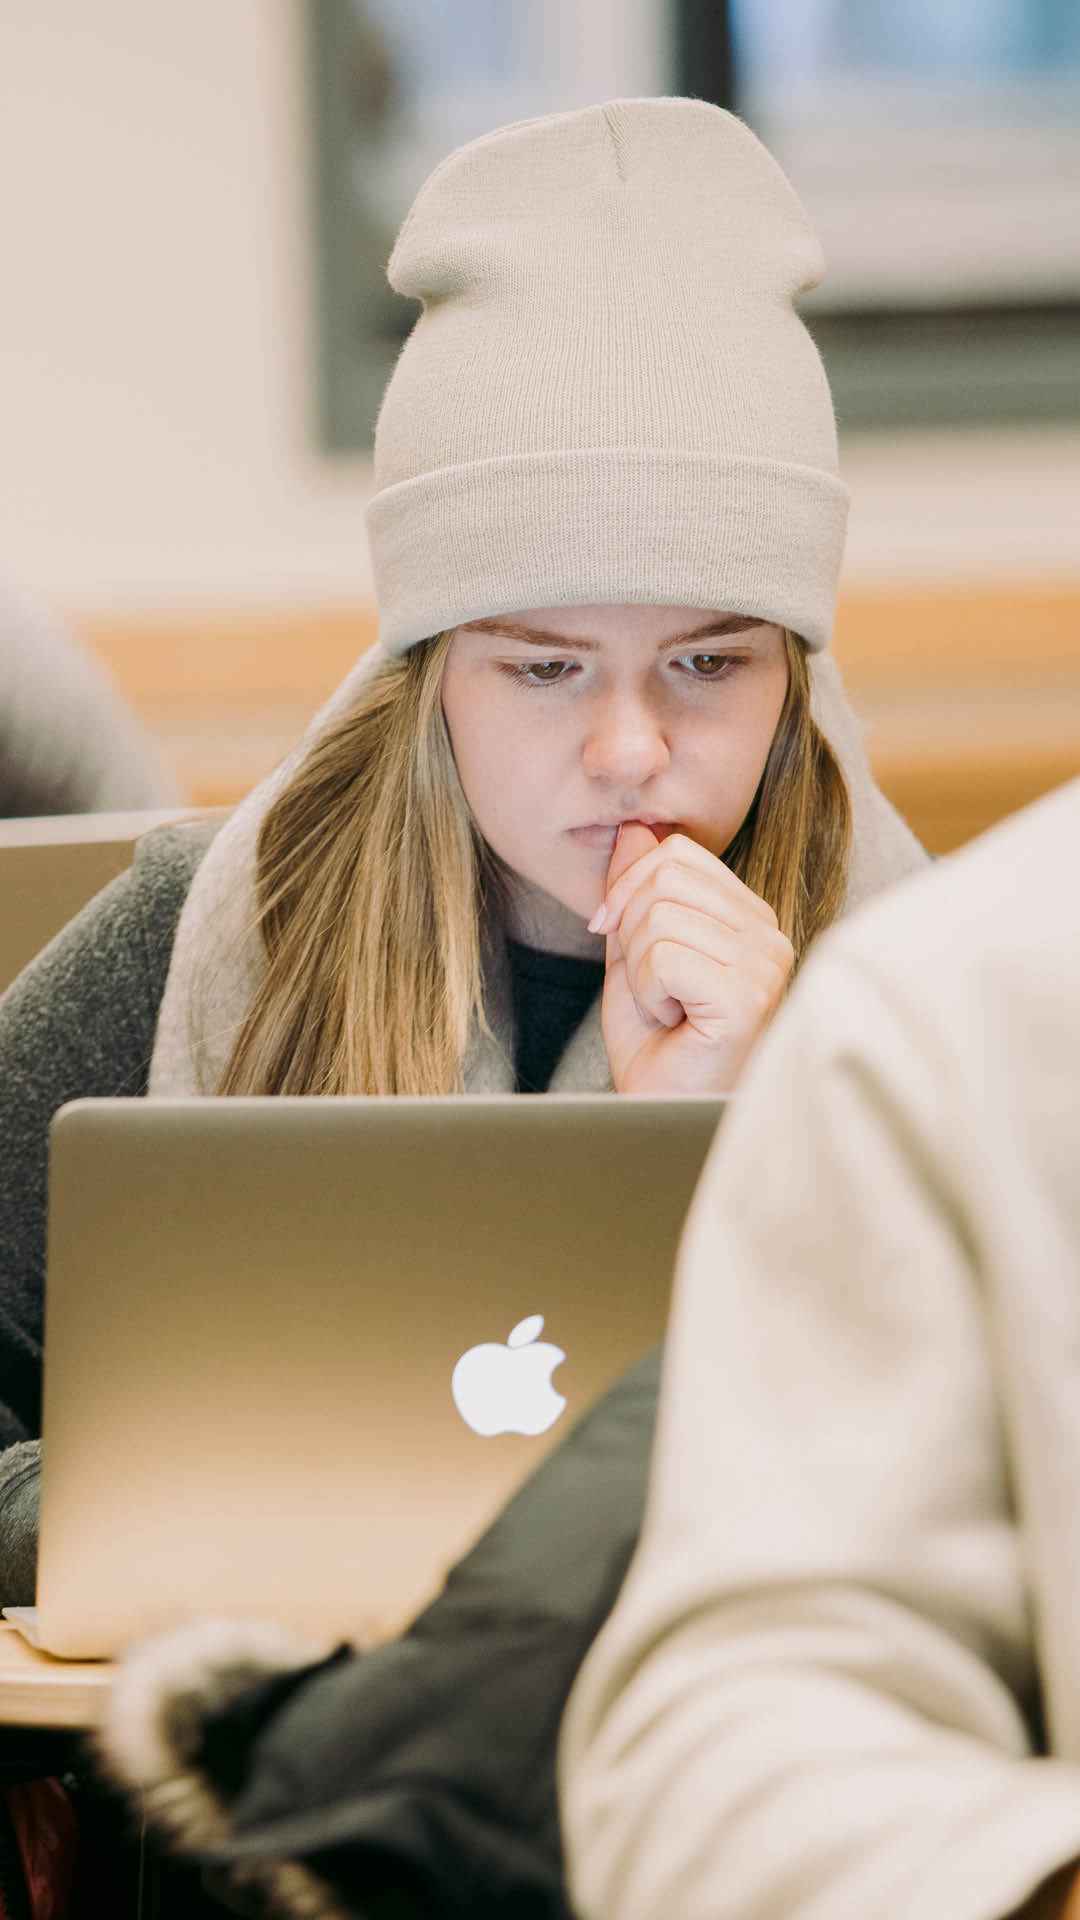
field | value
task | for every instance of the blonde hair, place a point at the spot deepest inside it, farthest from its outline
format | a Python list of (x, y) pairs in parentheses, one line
[(794, 845), (374, 888)]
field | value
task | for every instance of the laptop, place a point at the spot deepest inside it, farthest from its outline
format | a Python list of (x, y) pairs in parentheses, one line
[(50, 867), (299, 1352)]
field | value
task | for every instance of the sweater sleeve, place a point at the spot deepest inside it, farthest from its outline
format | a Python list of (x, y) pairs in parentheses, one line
[(815, 1695), (78, 1021)]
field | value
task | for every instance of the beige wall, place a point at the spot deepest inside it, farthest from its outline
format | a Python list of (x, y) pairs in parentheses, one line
[(154, 349)]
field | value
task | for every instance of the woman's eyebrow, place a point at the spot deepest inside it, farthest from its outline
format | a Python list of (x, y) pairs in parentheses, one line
[(728, 624)]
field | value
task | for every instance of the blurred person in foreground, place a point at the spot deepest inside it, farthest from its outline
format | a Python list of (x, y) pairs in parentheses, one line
[(68, 741), (843, 1677)]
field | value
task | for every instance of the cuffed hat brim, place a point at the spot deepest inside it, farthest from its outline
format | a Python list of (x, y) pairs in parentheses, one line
[(740, 535)]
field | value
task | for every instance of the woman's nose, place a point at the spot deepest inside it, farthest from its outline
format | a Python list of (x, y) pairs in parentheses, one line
[(625, 742)]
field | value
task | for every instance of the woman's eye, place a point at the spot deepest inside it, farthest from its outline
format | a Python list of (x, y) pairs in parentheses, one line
[(545, 670), (709, 666)]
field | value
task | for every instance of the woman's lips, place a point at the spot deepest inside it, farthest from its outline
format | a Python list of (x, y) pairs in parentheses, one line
[(603, 838)]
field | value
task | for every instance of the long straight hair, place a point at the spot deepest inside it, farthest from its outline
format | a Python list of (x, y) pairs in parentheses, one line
[(374, 887)]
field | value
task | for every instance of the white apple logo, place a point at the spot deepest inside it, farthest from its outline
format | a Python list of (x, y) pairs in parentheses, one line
[(508, 1389)]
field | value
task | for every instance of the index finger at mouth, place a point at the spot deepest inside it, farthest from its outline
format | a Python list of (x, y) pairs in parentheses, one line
[(632, 842), (677, 850)]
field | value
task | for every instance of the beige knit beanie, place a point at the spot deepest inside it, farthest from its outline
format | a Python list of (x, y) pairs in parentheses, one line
[(608, 396)]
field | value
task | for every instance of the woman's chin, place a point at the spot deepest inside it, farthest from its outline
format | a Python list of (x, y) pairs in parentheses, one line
[(558, 921)]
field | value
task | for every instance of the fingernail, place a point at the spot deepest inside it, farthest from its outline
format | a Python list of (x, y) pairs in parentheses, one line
[(599, 919)]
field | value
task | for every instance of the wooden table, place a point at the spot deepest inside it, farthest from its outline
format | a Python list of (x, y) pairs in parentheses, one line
[(38, 1691)]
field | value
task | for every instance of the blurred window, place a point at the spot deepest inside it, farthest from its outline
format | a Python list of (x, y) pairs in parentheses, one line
[(936, 145), (938, 141)]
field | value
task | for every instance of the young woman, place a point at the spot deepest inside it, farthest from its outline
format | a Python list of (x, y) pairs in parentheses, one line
[(578, 783), (575, 818)]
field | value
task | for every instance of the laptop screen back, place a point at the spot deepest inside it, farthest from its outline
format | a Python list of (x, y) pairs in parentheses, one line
[(298, 1352)]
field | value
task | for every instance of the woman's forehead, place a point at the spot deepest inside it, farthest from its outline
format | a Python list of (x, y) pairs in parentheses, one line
[(595, 625)]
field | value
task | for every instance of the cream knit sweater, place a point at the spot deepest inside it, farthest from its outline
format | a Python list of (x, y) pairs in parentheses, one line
[(815, 1698)]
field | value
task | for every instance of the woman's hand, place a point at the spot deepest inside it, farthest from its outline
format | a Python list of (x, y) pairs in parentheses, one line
[(696, 966)]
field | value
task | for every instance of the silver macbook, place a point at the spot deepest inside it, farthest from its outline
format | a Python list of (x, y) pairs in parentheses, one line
[(51, 867), (298, 1352)]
